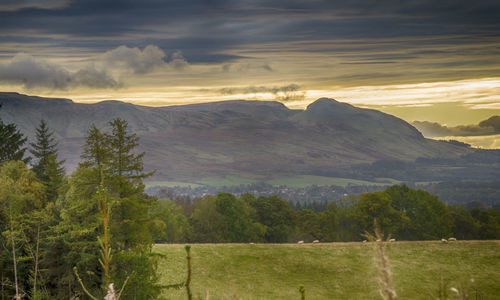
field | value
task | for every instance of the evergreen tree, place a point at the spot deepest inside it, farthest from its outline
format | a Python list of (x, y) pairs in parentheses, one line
[(110, 159), (11, 143), (44, 146), (48, 169), (96, 153), (126, 166), (55, 176), (73, 239)]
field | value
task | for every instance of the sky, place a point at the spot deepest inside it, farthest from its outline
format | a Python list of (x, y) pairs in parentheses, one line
[(421, 60)]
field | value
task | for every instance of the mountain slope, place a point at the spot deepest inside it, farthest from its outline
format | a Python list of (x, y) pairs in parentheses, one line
[(244, 138)]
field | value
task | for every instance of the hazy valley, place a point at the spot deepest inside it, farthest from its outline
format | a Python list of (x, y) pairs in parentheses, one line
[(203, 147)]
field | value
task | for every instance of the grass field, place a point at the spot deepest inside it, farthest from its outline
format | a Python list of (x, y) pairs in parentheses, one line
[(308, 180), (331, 271), (171, 184), (298, 181)]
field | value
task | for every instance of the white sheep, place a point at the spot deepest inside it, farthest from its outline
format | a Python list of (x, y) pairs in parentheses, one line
[(300, 242), (315, 241), (392, 240), (444, 240), (452, 239)]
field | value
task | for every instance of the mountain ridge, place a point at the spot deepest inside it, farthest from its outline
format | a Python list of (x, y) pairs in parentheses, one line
[(237, 137)]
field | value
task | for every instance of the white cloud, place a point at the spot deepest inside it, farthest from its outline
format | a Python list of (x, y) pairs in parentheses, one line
[(281, 93), (137, 60), (178, 61)]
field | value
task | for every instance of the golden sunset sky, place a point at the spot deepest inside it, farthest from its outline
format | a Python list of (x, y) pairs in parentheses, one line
[(422, 60)]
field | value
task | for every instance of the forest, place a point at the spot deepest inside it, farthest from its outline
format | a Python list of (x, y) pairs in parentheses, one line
[(86, 234)]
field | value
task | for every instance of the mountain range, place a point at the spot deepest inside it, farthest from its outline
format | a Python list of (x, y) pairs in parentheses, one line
[(247, 139)]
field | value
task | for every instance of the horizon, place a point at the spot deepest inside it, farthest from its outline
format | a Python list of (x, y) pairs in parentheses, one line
[(420, 61), (474, 134)]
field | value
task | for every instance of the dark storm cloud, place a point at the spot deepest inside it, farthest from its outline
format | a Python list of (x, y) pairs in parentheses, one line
[(205, 30), (34, 73), (12, 5)]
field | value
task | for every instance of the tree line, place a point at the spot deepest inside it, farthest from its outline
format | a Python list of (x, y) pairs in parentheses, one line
[(403, 212)]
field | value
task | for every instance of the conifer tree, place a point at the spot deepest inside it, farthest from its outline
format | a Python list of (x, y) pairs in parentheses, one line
[(110, 159), (126, 166), (54, 173), (48, 169), (44, 146), (11, 143), (96, 154)]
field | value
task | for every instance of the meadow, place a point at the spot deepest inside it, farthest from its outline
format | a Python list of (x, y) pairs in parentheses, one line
[(298, 181), (332, 270)]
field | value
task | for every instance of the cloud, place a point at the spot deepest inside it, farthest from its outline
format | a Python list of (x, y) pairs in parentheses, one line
[(482, 141), (143, 61), (92, 77), (139, 61), (34, 73), (12, 5), (490, 126), (178, 61), (245, 67), (282, 93)]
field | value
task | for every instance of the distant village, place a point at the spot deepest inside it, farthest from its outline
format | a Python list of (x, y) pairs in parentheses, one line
[(313, 197)]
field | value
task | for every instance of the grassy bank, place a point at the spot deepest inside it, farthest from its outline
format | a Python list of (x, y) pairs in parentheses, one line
[(331, 271)]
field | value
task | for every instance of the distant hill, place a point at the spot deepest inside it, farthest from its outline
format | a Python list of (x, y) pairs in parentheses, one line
[(237, 138)]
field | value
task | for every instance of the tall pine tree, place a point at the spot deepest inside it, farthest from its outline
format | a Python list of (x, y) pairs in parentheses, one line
[(44, 146), (96, 154), (132, 225), (11, 143), (48, 169), (126, 166), (112, 158)]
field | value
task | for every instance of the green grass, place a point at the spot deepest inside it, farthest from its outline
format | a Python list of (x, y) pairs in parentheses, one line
[(307, 180), (227, 181), (298, 181), (171, 184), (330, 271)]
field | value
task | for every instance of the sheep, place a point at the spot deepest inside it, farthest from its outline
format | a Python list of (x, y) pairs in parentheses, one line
[(364, 241), (452, 239), (444, 240), (315, 241), (392, 240), (300, 242)]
